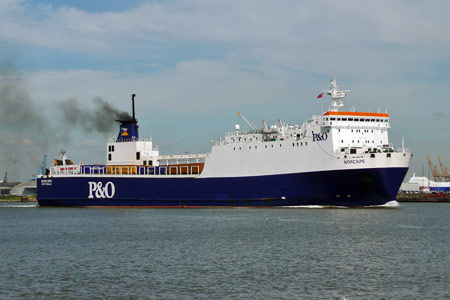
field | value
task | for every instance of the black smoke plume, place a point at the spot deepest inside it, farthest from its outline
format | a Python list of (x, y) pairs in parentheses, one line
[(30, 130), (99, 119)]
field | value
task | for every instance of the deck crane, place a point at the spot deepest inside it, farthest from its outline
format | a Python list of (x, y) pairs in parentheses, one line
[(248, 122)]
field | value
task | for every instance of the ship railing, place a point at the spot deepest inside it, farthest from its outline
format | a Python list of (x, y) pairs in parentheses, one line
[(172, 170), (238, 133), (114, 140)]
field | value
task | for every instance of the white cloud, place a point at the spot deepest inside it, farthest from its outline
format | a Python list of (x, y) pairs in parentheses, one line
[(248, 23)]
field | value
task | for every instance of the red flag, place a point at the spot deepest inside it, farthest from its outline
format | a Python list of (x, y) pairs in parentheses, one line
[(320, 95)]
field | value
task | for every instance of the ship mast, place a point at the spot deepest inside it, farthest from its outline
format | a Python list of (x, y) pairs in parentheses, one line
[(336, 95)]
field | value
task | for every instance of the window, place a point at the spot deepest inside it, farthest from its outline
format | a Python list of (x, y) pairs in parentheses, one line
[(112, 147), (138, 155), (109, 156), (344, 119), (144, 162), (332, 119), (150, 163), (350, 119)]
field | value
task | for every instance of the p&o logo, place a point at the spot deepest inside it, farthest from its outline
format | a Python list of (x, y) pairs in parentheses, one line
[(317, 137), (99, 191)]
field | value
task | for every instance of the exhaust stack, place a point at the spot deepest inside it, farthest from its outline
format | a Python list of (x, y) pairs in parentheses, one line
[(132, 103), (128, 130)]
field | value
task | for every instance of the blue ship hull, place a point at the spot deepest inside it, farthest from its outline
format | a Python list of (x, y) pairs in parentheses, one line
[(353, 188)]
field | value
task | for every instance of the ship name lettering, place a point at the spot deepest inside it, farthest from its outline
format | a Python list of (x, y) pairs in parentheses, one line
[(317, 137), (99, 191), (354, 161), (46, 182)]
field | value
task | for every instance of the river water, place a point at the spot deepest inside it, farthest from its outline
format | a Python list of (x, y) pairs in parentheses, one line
[(298, 253)]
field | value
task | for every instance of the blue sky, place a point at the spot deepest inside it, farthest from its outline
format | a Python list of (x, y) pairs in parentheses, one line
[(195, 64)]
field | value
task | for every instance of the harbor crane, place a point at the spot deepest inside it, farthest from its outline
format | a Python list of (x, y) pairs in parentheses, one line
[(444, 172), (438, 175)]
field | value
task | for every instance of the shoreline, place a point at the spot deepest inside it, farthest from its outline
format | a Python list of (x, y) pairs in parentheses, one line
[(18, 198), (423, 197)]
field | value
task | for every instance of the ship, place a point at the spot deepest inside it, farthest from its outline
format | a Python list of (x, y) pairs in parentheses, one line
[(339, 158), (423, 184)]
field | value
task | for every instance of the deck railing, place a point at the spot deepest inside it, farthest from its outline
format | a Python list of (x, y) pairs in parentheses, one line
[(172, 170)]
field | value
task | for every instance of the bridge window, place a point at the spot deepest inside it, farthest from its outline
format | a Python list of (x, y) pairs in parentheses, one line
[(332, 119), (350, 119), (344, 119)]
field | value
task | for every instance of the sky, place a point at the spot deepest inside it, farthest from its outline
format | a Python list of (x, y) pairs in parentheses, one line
[(195, 64)]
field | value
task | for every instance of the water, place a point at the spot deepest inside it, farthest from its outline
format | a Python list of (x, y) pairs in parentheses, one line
[(71, 253)]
